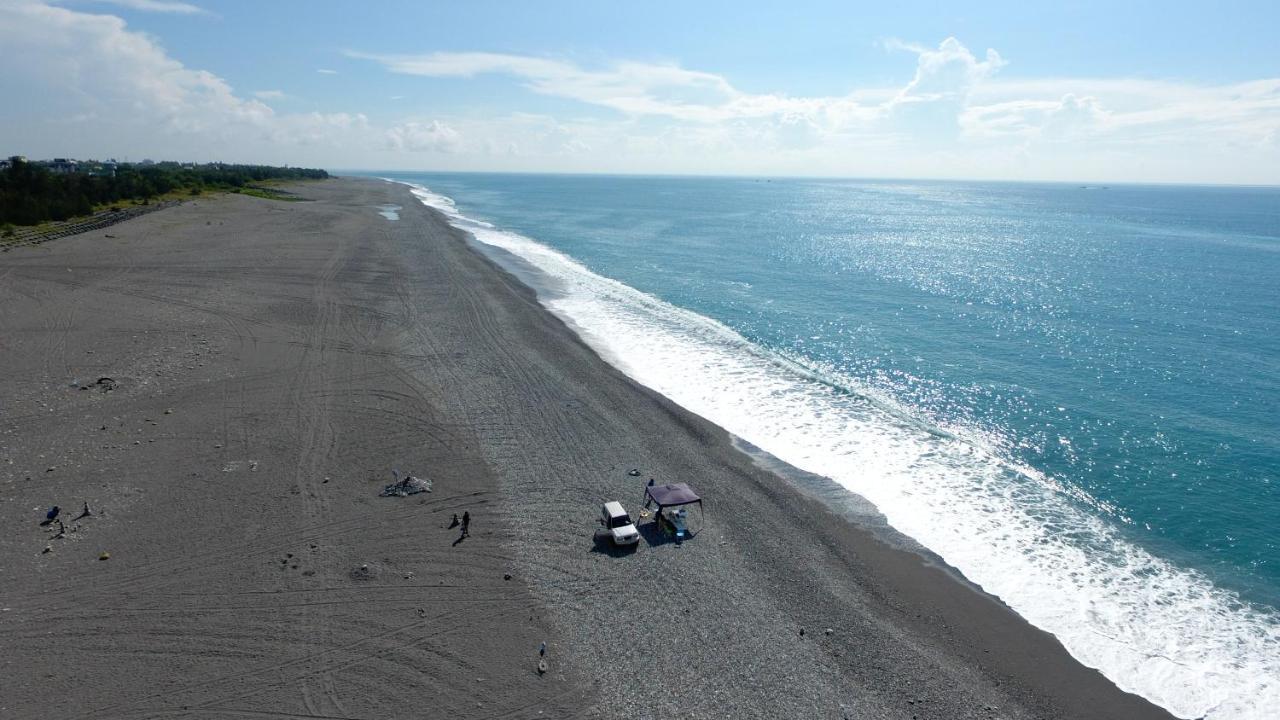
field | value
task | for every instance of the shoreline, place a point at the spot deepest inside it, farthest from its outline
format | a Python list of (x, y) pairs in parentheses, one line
[(320, 340), (866, 521)]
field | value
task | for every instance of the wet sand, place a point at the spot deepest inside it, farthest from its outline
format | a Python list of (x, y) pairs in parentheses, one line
[(270, 363)]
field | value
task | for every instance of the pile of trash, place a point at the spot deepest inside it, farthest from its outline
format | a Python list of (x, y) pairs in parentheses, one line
[(410, 485)]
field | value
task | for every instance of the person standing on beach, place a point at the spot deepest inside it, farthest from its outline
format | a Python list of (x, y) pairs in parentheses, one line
[(466, 523)]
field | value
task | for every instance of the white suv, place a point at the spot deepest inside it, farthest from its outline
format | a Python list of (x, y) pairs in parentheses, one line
[(621, 530)]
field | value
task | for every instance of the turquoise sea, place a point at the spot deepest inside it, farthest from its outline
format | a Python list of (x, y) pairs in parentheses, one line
[(1070, 393)]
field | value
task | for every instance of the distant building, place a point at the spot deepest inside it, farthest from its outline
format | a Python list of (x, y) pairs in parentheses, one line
[(63, 165), (104, 169)]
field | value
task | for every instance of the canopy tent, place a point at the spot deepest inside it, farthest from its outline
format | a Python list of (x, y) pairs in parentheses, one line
[(671, 495)]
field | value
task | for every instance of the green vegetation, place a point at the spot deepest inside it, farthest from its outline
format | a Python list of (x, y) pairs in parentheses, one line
[(31, 194), (268, 193)]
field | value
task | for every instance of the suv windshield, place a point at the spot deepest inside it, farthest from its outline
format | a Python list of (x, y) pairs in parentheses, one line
[(618, 521)]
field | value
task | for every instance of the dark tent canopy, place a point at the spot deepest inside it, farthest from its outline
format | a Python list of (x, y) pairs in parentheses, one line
[(671, 495)]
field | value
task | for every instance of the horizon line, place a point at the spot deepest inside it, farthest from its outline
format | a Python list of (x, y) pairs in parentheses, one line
[(864, 178)]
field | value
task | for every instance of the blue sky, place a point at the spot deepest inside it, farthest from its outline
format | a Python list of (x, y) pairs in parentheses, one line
[(1077, 91)]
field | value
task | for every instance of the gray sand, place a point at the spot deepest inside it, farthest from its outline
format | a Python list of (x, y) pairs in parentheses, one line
[(272, 362)]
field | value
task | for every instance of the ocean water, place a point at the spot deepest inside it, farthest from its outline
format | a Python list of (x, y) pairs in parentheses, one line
[(1069, 393)]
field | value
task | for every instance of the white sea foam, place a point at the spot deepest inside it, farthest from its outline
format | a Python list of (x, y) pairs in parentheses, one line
[(1160, 631)]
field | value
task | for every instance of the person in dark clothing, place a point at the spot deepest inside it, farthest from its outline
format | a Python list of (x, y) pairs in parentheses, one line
[(466, 524)]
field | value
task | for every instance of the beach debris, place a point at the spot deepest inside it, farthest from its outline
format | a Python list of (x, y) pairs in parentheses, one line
[(633, 472), (47, 549), (801, 632), (363, 573), (50, 515), (542, 666), (104, 556), (410, 485), (828, 632), (106, 384), (238, 465), (168, 411), (507, 576)]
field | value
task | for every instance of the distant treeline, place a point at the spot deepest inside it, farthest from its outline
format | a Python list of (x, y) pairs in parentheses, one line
[(30, 193)]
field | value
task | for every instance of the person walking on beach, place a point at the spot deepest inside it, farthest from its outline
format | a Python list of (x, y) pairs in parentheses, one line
[(466, 523)]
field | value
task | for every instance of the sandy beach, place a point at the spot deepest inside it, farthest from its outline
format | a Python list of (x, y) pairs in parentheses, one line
[(229, 384)]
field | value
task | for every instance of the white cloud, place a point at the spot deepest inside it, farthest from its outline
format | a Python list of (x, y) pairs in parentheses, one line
[(930, 106), (324, 131), (97, 65), (158, 6), (86, 84), (118, 93), (1069, 117), (948, 73), (953, 100), (669, 91), (1127, 112), (954, 113), (629, 87), (433, 136)]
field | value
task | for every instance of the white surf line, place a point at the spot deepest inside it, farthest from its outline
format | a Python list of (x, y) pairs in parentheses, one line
[(1155, 629)]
